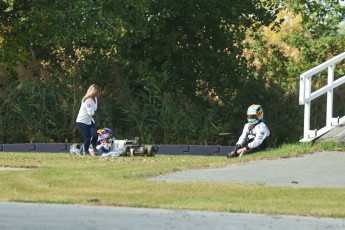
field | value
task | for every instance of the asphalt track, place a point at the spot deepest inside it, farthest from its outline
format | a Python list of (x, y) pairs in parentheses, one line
[(20, 216), (324, 169)]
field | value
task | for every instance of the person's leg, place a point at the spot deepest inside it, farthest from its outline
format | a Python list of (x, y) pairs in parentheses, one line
[(233, 153), (94, 135), (257, 149), (249, 151), (85, 132), (263, 145)]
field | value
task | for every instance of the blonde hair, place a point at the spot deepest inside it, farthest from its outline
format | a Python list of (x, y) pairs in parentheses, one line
[(92, 91)]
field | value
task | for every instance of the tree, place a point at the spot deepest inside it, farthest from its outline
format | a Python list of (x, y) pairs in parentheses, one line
[(172, 71), (187, 42), (306, 38)]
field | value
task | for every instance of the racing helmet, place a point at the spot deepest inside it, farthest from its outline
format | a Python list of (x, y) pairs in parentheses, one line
[(255, 113), (105, 134)]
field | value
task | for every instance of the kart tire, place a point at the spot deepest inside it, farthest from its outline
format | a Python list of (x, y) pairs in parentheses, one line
[(151, 150), (128, 152)]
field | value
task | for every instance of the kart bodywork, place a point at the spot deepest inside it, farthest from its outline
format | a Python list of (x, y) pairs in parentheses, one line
[(133, 148), (121, 148)]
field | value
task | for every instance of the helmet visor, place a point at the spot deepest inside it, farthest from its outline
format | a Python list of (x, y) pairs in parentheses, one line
[(252, 116)]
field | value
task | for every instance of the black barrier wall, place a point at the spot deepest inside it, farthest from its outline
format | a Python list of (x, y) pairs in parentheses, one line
[(207, 150)]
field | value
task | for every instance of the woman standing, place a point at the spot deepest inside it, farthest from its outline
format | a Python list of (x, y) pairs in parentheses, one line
[(85, 122)]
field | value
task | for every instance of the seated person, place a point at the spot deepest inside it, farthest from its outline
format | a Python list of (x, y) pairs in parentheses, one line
[(254, 135), (105, 140)]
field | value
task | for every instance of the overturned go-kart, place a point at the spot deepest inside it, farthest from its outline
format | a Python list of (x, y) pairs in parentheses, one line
[(120, 148), (134, 148)]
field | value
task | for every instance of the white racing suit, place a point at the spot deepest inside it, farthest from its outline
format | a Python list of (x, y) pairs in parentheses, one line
[(253, 137)]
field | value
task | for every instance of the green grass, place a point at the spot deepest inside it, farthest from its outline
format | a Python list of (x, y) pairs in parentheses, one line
[(70, 179)]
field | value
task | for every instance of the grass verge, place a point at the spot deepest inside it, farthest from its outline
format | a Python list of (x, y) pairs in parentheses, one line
[(70, 179)]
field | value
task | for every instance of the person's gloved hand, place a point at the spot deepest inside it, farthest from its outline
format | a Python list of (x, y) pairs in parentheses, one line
[(237, 147)]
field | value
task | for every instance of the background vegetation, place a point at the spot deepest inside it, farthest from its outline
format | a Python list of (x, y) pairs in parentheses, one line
[(172, 71)]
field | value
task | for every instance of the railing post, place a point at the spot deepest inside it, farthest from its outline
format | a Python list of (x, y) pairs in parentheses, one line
[(301, 89), (307, 105), (329, 112)]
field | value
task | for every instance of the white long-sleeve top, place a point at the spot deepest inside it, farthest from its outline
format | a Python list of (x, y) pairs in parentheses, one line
[(260, 132), (87, 110)]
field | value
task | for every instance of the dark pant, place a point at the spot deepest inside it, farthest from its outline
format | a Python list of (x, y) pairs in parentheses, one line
[(259, 148), (89, 132)]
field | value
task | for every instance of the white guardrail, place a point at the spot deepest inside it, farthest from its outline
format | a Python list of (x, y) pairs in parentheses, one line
[(306, 96)]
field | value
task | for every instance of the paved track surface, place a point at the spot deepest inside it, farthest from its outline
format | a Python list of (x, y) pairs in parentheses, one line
[(20, 216), (326, 169)]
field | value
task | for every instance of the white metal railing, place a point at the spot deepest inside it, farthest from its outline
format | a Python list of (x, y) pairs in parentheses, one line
[(306, 96)]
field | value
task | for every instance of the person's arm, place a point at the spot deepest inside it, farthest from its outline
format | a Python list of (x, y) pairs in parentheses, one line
[(241, 140), (88, 103)]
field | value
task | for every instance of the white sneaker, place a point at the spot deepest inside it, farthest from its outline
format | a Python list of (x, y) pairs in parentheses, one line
[(91, 151)]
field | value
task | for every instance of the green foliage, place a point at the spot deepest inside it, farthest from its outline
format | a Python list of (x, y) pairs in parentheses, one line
[(185, 42), (279, 63), (172, 118), (22, 117), (319, 18), (171, 71)]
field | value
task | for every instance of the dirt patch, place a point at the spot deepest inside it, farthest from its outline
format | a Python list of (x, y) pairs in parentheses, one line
[(20, 168)]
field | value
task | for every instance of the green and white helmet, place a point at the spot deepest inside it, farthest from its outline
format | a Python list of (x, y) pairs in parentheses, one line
[(255, 113)]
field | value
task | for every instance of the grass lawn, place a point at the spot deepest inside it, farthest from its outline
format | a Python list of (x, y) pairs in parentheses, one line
[(120, 181)]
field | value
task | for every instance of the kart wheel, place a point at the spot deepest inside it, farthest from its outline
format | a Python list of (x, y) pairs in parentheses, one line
[(151, 150), (128, 152)]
